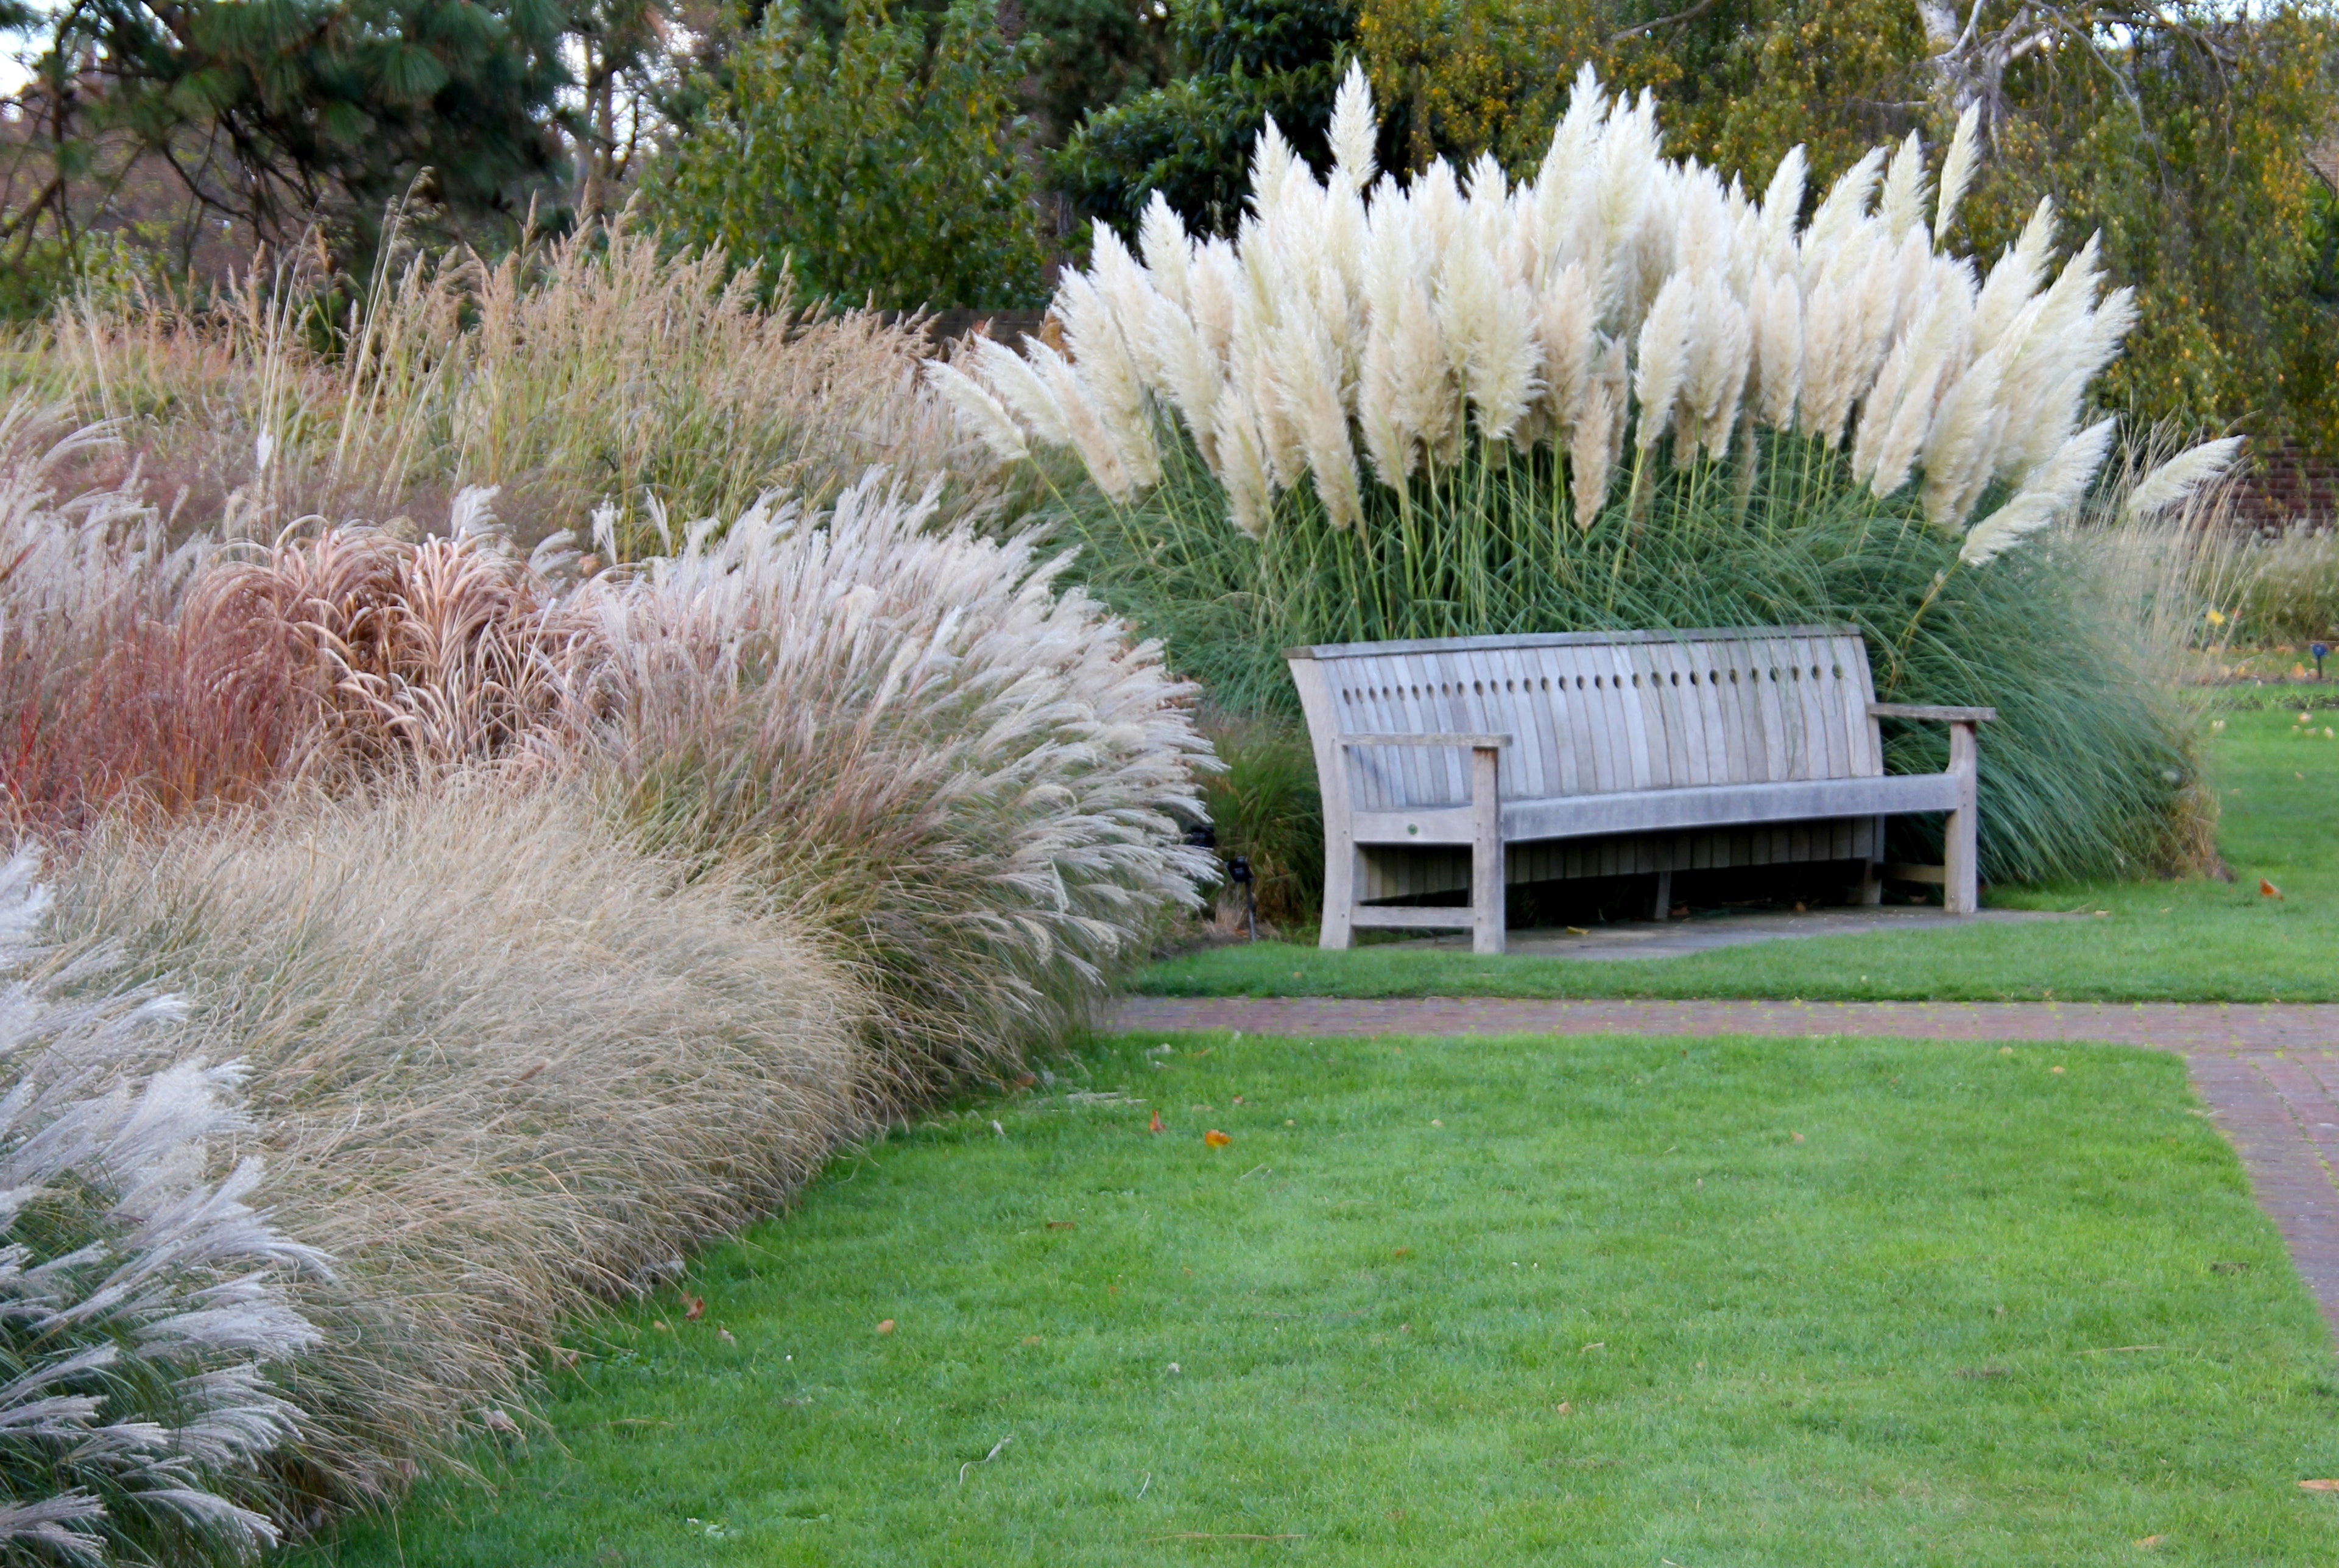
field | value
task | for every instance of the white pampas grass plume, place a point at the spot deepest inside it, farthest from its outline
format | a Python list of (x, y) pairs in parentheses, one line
[(1782, 206), (1392, 452), (2173, 483), (1902, 205), (1592, 450), (2015, 278), (1956, 174), (1273, 166), (1778, 360), (2056, 490), (1087, 428), (1017, 384), (1354, 130), (1097, 333), (1962, 446), (1565, 328), (1662, 359), (1161, 239), (979, 411), (1840, 212), (1213, 281), (1242, 465), (1721, 349)]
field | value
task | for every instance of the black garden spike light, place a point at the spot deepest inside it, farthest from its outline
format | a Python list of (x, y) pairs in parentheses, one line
[(2321, 651), (1239, 868)]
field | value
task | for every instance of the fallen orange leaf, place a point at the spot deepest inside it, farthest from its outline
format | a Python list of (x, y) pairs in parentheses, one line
[(886, 1326), (1157, 1126), (2267, 889), (2149, 1541), (2319, 1486), (694, 1307), (1216, 1139)]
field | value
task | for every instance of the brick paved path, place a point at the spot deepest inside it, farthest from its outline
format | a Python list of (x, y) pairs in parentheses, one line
[(2270, 1073)]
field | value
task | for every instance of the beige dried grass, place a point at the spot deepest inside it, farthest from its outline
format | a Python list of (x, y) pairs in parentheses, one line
[(503, 1065), (587, 373)]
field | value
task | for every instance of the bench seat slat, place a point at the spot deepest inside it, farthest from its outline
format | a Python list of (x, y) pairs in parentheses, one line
[(1662, 810)]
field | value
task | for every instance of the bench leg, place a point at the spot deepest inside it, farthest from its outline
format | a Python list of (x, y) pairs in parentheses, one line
[(1960, 893), (1485, 852), (1871, 880), (1340, 868)]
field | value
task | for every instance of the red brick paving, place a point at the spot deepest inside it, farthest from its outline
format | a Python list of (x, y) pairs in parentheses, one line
[(2269, 1072)]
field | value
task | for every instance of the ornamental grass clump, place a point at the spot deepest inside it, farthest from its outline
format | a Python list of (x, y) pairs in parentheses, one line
[(1621, 393), (598, 371), (916, 741), (504, 1066), (146, 1308)]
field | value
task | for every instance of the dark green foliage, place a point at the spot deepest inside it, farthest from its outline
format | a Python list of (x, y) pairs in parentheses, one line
[(874, 168), (274, 113), (1266, 807), (2079, 775), (1191, 140), (1091, 53)]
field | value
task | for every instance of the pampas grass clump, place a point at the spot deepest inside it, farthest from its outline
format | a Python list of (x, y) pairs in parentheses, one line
[(1617, 307), (1626, 394), (502, 1065)]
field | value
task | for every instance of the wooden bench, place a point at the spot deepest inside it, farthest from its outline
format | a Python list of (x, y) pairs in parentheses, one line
[(1470, 762)]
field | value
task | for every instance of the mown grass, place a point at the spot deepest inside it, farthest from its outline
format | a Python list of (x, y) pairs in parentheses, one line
[(2196, 940), (1584, 1301)]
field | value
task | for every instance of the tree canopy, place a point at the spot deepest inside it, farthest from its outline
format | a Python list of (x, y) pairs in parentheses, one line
[(877, 166), (277, 114), (2183, 132)]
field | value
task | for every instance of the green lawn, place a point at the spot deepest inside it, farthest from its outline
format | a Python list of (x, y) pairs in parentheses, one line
[(2197, 940), (1585, 1301)]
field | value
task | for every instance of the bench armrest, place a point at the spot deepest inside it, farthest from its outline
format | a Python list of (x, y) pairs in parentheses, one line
[(1930, 711), (1425, 740)]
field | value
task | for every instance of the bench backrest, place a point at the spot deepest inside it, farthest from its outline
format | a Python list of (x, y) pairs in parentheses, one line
[(1593, 713)]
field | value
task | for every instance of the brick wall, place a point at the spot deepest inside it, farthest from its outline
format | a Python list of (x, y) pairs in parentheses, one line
[(2287, 489)]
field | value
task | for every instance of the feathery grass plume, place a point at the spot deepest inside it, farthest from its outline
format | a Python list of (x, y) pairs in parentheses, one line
[(965, 778), (114, 692), (143, 1303), (2172, 484), (2055, 491), (1020, 387), (1593, 449), (504, 1063), (1901, 205), (1721, 344), (1956, 173), (974, 403), (1163, 240), (451, 650), (1962, 443), (1777, 369), (1662, 358), (1354, 130), (1566, 329)]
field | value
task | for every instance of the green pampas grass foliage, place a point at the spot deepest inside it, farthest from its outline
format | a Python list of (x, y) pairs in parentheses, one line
[(2083, 773)]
